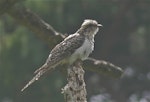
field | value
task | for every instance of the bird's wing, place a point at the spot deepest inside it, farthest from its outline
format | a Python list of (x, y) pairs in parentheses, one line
[(63, 50), (58, 53)]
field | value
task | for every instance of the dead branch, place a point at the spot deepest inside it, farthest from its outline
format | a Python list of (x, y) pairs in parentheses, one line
[(45, 31), (75, 90), (33, 22), (103, 67)]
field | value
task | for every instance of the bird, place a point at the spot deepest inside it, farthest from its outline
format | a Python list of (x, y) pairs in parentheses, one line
[(76, 46)]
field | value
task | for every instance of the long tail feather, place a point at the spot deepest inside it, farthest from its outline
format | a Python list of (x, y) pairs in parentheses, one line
[(35, 78), (41, 68)]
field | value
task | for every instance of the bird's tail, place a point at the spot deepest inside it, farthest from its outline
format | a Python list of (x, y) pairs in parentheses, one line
[(42, 70)]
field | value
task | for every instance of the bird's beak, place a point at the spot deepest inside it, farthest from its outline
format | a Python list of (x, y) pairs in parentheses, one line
[(99, 25)]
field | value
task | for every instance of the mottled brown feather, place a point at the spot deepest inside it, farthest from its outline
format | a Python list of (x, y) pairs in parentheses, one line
[(58, 54)]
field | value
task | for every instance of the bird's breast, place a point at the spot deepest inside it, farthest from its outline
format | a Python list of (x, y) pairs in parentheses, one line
[(83, 51)]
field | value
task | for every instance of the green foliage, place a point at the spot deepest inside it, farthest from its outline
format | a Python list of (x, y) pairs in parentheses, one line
[(124, 40), (21, 53)]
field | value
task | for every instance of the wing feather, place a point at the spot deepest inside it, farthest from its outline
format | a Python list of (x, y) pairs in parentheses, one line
[(58, 54), (63, 50)]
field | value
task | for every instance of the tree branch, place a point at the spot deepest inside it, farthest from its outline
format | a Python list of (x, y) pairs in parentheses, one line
[(33, 22), (45, 31), (103, 67), (75, 90)]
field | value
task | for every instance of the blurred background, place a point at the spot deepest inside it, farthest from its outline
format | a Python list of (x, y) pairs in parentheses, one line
[(123, 40)]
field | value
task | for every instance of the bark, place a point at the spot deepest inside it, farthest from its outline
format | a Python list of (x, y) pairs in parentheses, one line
[(48, 34), (103, 67), (75, 90), (33, 22)]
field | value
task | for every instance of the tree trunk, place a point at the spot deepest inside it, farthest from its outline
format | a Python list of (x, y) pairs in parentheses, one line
[(75, 90)]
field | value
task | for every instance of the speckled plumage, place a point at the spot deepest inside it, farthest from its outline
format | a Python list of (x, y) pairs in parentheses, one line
[(75, 46)]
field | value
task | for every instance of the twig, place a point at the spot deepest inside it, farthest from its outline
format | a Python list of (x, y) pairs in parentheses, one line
[(49, 34), (75, 90)]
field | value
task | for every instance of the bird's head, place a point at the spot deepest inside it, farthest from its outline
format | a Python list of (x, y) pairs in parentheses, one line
[(89, 27)]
